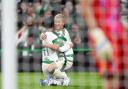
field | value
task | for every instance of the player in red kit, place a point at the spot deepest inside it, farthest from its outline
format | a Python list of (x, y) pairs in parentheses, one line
[(103, 16)]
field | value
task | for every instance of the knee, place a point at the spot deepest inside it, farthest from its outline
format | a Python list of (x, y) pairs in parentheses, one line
[(51, 67)]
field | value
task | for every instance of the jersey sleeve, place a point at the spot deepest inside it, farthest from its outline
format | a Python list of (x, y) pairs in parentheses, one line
[(67, 36), (47, 40)]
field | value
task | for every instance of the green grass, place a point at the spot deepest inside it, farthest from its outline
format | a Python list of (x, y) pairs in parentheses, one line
[(79, 80)]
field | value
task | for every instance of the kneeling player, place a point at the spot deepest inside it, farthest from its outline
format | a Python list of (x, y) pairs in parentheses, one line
[(54, 67), (61, 43)]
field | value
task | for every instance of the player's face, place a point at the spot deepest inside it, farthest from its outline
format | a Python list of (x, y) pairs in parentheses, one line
[(58, 23)]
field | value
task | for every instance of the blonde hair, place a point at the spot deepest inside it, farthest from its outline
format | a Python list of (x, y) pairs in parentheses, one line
[(61, 16)]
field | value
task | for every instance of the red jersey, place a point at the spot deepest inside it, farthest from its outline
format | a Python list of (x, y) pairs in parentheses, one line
[(108, 16)]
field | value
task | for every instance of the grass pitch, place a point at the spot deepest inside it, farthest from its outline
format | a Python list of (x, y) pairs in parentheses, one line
[(79, 80)]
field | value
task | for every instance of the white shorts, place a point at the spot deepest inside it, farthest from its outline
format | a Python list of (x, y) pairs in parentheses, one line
[(59, 63)]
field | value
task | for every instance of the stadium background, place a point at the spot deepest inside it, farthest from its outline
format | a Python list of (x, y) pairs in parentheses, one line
[(29, 53), (42, 12)]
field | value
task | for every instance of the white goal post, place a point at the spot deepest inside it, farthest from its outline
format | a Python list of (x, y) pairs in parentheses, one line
[(9, 64)]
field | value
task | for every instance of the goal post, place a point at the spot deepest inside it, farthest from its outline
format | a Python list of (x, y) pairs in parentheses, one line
[(9, 64)]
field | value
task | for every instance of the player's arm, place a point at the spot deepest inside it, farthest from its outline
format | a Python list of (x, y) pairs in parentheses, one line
[(88, 13), (56, 47), (66, 47), (49, 45), (45, 43)]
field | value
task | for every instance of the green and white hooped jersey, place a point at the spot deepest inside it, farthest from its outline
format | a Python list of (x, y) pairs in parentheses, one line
[(59, 38), (49, 55), (63, 38)]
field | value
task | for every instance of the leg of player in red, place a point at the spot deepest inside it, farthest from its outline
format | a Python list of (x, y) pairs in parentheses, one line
[(104, 14)]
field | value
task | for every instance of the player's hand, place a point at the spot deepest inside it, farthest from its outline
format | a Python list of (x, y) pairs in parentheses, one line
[(43, 36), (52, 46), (55, 47)]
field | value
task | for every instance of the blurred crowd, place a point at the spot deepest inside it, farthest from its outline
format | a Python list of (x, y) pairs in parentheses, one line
[(39, 15)]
